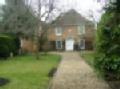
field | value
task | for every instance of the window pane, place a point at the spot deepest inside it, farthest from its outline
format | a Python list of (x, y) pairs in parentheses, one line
[(58, 31), (58, 44), (81, 44), (81, 29)]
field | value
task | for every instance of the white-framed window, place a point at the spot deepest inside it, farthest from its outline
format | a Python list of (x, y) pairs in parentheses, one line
[(81, 29), (58, 44), (58, 31)]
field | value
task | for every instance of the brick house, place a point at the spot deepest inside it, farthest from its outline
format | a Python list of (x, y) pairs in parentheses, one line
[(71, 31)]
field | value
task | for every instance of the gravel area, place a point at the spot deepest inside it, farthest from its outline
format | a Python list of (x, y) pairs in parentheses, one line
[(74, 73)]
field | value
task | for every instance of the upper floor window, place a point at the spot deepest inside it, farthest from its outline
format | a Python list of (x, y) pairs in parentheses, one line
[(58, 31), (81, 29)]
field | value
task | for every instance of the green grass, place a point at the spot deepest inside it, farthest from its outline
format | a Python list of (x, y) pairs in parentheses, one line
[(88, 56), (26, 72)]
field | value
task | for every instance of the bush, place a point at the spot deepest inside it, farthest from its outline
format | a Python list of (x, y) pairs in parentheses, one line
[(107, 51), (15, 40), (8, 44), (107, 58), (108, 66), (16, 43), (4, 51)]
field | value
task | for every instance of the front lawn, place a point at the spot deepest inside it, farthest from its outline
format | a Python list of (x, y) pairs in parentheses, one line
[(26, 72)]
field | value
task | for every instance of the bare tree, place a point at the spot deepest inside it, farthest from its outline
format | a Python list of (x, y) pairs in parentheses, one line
[(93, 17), (43, 9)]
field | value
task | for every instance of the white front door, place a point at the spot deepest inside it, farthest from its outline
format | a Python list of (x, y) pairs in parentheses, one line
[(69, 45)]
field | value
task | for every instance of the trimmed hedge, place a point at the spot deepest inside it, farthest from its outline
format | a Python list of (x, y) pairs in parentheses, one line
[(107, 58), (4, 51), (8, 44), (109, 66)]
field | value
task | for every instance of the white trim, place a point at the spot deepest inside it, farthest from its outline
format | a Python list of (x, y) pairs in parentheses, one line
[(81, 29), (58, 31)]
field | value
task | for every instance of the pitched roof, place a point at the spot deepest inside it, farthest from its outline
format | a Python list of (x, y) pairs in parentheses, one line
[(71, 17)]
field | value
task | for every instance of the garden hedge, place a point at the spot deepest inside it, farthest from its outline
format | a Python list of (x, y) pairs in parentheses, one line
[(107, 58), (8, 44)]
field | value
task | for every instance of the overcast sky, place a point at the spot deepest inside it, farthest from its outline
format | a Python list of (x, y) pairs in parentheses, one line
[(2, 1), (85, 7), (82, 6)]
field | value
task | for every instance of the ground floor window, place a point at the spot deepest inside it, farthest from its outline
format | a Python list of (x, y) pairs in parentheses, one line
[(58, 44), (81, 44)]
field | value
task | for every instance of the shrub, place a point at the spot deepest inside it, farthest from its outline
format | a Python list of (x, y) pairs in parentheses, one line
[(108, 48), (15, 41), (109, 66), (8, 44), (107, 58), (4, 51)]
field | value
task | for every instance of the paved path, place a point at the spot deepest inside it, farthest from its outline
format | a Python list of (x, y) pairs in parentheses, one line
[(74, 73)]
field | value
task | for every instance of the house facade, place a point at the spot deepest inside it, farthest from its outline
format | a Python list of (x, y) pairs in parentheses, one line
[(70, 32)]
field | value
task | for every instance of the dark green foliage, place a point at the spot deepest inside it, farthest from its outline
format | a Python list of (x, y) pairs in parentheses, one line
[(16, 42), (114, 6), (109, 66), (17, 45), (4, 51), (6, 46), (4, 81), (9, 44), (108, 43)]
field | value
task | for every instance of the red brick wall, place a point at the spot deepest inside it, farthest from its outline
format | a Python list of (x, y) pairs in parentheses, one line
[(72, 30), (27, 45)]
